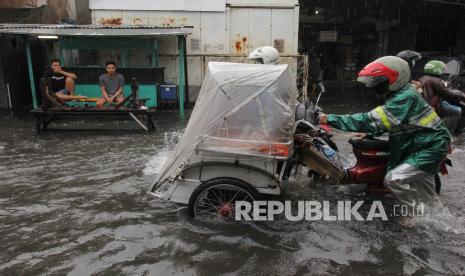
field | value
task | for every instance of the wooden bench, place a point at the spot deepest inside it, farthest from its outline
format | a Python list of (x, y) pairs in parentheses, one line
[(143, 118), (52, 109)]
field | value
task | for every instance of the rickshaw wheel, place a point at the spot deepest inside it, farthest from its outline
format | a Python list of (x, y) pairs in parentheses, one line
[(216, 198)]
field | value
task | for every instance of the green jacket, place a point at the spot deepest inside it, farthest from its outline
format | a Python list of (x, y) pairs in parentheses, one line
[(417, 135)]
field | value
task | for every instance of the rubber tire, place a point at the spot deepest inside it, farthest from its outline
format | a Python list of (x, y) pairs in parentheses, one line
[(217, 181)]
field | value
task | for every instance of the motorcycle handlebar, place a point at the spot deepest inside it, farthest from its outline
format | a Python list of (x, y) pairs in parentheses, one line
[(304, 122)]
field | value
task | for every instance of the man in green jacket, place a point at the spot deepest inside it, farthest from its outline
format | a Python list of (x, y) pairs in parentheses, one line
[(418, 140)]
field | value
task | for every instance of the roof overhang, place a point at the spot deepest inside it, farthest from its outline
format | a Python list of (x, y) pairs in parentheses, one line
[(92, 30)]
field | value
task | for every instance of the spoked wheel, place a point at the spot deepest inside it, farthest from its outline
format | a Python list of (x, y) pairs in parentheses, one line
[(217, 198)]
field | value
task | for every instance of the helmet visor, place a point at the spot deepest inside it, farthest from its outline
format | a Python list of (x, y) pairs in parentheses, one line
[(371, 82), (258, 60)]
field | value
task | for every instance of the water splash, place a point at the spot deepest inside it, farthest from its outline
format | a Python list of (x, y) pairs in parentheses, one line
[(440, 218), (156, 162), (154, 165)]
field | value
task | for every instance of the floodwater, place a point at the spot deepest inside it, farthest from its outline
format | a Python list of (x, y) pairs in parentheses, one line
[(77, 203)]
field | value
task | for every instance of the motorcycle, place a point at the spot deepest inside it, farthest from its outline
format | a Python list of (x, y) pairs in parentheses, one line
[(315, 148)]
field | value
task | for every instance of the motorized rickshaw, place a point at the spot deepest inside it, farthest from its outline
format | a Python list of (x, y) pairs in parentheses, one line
[(237, 140)]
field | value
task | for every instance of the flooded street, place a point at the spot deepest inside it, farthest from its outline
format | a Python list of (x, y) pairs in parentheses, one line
[(77, 203)]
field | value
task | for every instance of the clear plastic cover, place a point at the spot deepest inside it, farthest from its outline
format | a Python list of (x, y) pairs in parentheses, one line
[(242, 109)]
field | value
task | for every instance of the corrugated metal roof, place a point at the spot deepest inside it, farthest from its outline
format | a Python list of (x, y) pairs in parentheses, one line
[(22, 4), (263, 3), (92, 30)]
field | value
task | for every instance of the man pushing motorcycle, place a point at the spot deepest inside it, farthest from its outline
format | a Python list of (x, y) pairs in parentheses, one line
[(418, 140)]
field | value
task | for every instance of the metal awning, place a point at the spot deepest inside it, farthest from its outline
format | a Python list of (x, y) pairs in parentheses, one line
[(73, 33), (93, 30)]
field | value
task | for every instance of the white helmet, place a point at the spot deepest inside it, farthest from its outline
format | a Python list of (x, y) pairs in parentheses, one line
[(265, 55)]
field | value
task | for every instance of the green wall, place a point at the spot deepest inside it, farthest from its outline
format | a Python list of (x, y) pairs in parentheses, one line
[(145, 91)]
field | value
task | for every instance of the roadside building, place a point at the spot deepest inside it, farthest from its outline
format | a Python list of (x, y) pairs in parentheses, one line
[(340, 37), (14, 80), (346, 35), (223, 30)]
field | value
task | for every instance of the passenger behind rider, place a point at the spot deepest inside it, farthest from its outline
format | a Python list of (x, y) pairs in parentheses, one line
[(411, 57), (452, 114), (448, 103), (418, 139)]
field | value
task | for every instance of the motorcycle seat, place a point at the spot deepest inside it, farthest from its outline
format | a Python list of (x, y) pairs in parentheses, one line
[(369, 144)]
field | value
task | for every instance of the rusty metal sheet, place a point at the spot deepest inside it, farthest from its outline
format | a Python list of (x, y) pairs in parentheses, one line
[(108, 17), (160, 5), (263, 3), (254, 27), (162, 18), (239, 31), (135, 18)]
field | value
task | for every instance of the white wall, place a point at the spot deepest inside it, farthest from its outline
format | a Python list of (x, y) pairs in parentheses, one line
[(236, 31)]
